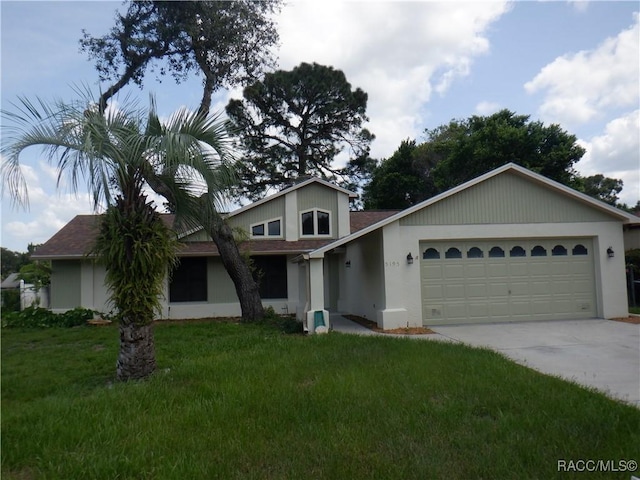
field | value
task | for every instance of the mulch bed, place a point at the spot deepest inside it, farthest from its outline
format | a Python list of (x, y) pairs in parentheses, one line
[(371, 325), (634, 320)]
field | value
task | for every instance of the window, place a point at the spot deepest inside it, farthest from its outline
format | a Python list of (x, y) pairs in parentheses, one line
[(431, 254), (517, 251), (188, 281), (558, 251), (496, 252), (475, 252), (453, 253), (271, 274), (323, 223), (538, 251), (579, 250), (257, 230), (271, 228), (316, 222)]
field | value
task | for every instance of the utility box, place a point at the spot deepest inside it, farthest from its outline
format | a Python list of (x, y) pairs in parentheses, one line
[(318, 321)]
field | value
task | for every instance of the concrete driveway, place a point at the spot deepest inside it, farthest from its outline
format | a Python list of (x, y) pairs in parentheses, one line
[(597, 353)]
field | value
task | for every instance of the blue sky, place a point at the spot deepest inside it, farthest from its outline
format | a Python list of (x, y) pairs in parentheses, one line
[(422, 64)]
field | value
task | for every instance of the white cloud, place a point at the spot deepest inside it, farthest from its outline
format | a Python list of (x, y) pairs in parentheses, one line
[(397, 52), (580, 5), (48, 212), (581, 87), (487, 108), (617, 152)]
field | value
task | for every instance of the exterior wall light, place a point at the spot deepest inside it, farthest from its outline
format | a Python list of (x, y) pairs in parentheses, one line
[(409, 259), (347, 264), (610, 252)]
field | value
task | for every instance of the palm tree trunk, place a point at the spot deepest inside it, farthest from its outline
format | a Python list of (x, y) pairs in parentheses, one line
[(136, 358), (239, 271)]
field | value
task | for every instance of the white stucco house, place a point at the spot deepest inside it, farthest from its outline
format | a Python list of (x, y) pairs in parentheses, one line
[(508, 246)]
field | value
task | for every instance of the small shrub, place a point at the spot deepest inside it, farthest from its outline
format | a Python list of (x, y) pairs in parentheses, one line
[(11, 300), (287, 324), (37, 317)]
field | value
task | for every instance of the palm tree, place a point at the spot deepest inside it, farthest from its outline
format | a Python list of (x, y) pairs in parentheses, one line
[(115, 152)]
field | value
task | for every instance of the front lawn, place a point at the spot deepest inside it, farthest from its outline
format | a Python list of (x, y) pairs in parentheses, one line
[(235, 401)]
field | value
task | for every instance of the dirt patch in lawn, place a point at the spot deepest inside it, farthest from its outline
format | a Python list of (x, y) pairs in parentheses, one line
[(634, 320), (371, 325)]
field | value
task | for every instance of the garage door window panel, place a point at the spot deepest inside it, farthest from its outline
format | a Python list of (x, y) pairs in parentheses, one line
[(431, 254), (496, 252), (475, 252), (579, 250), (559, 251), (452, 253), (538, 251), (517, 251)]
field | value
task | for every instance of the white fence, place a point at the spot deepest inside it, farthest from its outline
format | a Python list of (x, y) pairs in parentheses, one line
[(30, 296)]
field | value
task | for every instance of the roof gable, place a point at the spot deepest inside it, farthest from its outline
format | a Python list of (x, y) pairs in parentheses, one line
[(297, 186), (612, 213), (507, 198)]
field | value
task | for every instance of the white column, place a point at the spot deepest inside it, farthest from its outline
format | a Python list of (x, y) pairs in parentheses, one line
[(315, 295)]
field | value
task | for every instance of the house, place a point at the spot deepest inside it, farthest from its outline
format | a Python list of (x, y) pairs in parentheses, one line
[(510, 245)]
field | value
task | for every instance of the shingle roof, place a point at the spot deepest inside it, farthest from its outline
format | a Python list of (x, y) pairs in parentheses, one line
[(76, 238)]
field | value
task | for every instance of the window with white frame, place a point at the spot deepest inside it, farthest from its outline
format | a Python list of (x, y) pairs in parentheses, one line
[(315, 223), (270, 228)]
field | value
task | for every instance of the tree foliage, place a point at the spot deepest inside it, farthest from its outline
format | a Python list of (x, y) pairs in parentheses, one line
[(11, 261), (229, 44), (401, 180), (226, 42), (295, 123), (116, 152), (601, 187), (468, 148), (464, 149)]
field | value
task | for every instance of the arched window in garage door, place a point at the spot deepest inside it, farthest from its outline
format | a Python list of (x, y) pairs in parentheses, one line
[(453, 252), (559, 251), (475, 252), (538, 251), (579, 250), (496, 252), (517, 251), (431, 254)]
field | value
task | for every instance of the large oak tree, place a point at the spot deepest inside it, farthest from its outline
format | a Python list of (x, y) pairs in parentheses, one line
[(228, 43)]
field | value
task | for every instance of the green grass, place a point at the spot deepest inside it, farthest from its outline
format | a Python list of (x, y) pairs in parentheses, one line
[(235, 401), (635, 310)]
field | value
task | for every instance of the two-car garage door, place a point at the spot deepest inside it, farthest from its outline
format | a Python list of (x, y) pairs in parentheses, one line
[(500, 280)]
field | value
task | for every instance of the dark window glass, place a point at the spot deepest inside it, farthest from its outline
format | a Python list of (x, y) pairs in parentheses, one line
[(274, 228), (517, 252), (538, 251), (579, 250), (496, 252), (257, 230), (453, 253), (323, 223), (558, 250), (307, 223), (430, 254), (475, 252), (271, 274), (188, 281)]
